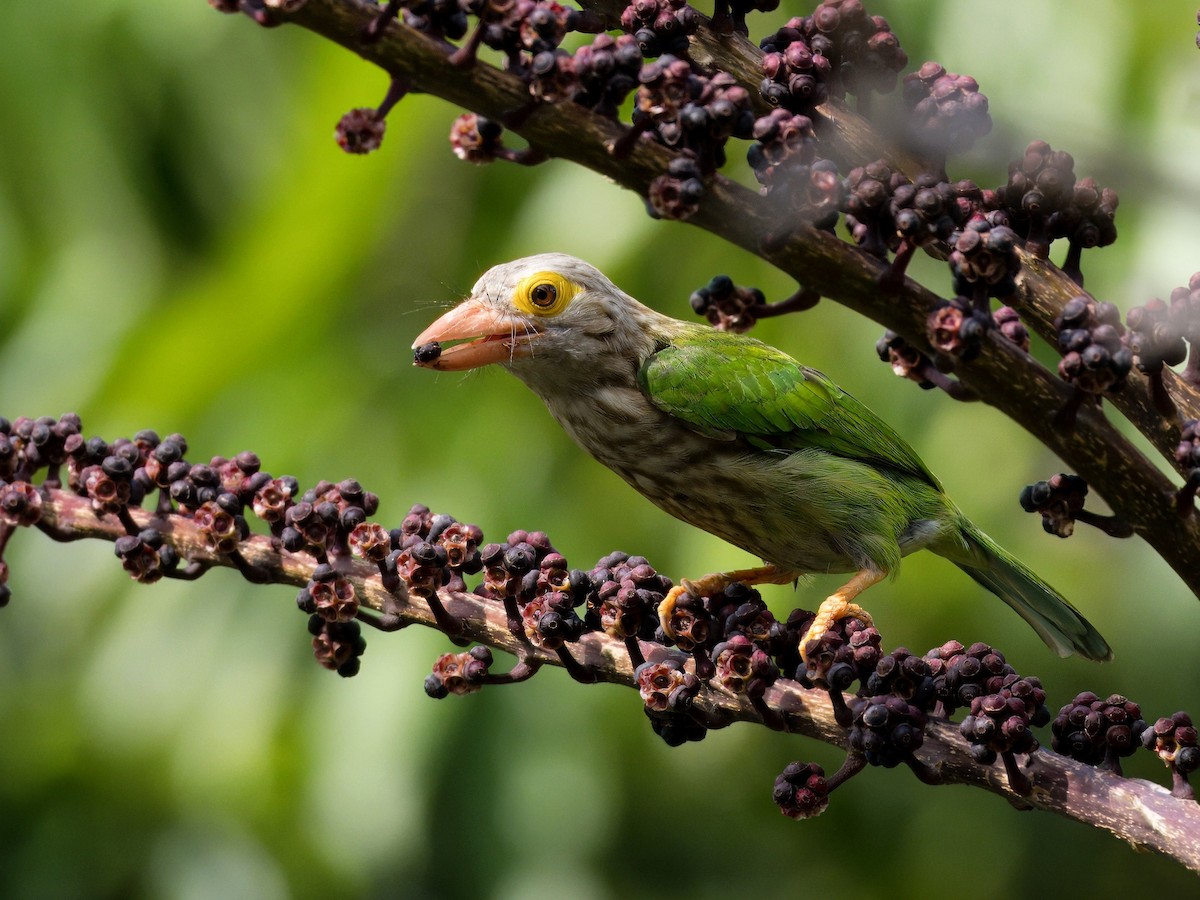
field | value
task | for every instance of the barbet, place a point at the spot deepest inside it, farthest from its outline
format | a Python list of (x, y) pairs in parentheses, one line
[(734, 437)]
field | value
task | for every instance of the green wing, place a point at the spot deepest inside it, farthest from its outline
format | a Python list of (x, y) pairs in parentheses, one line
[(730, 385)]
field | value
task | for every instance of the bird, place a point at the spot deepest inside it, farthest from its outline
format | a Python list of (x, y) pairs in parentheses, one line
[(733, 437)]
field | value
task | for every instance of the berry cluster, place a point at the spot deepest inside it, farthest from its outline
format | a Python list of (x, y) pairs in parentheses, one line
[(901, 673), (727, 306), (983, 259), (887, 729), (337, 646), (1158, 332), (1060, 499), (801, 791), (361, 130), (667, 692), (623, 600), (1039, 185), (886, 211), (677, 194), (332, 606), (660, 26), (927, 212), (479, 140), (459, 673), (957, 328), (689, 112), (867, 205), (1096, 357), (1175, 740), (961, 674), (1098, 732), (1089, 220), (947, 113), (801, 187), (840, 49), (906, 361), (1187, 454), (606, 71), (539, 592), (999, 723)]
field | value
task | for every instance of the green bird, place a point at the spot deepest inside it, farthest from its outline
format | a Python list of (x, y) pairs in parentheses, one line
[(734, 437)]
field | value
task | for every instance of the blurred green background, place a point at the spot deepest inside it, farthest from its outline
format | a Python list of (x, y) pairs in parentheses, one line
[(183, 247)]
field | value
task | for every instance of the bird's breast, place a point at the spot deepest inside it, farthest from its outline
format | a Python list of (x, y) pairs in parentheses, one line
[(776, 505)]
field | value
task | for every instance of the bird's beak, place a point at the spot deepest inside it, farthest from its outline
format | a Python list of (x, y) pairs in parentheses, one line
[(491, 336)]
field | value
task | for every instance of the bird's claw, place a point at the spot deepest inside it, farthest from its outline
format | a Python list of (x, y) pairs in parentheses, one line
[(666, 608), (831, 611)]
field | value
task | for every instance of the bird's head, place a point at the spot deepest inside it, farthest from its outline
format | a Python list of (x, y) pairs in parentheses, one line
[(537, 316)]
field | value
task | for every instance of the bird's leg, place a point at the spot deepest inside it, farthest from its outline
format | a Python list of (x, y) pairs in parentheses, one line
[(718, 581), (840, 605)]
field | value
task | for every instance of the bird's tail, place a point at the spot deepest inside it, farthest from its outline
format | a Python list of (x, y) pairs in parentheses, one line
[(1058, 623)]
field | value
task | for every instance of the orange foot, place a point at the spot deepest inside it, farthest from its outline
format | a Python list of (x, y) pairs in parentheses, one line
[(839, 605), (718, 581)]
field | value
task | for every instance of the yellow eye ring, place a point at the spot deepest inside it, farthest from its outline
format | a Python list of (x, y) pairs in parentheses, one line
[(544, 293)]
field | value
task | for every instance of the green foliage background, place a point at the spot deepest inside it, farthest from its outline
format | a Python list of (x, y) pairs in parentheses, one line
[(183, 247)]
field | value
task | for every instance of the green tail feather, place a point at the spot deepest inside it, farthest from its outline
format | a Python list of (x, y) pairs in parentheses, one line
[(1057, 622)]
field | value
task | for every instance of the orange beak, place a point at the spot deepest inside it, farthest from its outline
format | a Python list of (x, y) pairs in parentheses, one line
[(490, 335)]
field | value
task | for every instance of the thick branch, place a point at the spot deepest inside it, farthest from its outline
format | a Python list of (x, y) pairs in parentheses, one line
[(1004, 377), (1137, 811)]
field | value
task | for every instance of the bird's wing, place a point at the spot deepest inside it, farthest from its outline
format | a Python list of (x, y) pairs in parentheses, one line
[(726, 384)]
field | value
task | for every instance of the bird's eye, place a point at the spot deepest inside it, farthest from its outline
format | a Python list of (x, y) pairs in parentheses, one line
[(543, 295)]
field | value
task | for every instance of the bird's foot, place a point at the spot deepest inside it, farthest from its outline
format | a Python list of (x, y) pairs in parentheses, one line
[(710, 584), (831, 611), (840, 605), (666, 608)]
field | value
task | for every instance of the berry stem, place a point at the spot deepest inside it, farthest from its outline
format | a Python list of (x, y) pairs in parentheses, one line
[(926, 774), (855, 763), (581, 673), (1113, 526), (804, 298), (1017, 779), (525, 669)]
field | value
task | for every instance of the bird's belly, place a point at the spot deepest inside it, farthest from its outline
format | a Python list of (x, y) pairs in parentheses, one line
[(805, 510), (747, 507)]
